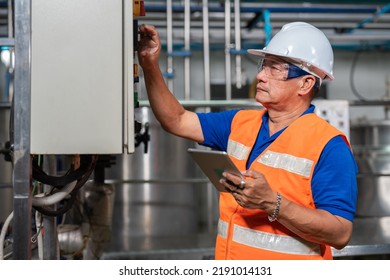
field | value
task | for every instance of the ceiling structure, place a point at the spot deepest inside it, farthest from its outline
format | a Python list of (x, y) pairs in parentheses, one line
[(347, 24)]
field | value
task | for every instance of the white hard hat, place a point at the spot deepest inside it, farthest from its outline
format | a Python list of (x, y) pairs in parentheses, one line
[(305, 45)]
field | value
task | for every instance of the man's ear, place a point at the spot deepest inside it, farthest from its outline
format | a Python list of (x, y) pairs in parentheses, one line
[(307, 83)]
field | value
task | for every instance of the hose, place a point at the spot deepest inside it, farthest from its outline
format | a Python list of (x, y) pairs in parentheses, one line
[(42, 200), (3, 233)]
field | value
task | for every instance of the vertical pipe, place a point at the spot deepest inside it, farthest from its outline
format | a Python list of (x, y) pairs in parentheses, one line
[(21, 132), (206, 49), (169, 45), (187, 48), (206, 61), (267, 26), (10, 19), (228, 65), (237, 30), (50, 244)]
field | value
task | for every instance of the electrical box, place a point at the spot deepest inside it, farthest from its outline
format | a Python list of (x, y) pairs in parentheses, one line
[(82, 85), (335, 112)]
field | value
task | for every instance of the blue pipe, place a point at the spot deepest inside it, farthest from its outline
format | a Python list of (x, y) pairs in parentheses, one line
[(382, 11), (219, 8), (267, 26), (180, 53), (265, 12)]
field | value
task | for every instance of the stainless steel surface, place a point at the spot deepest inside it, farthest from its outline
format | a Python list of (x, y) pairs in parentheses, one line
[(21, 137), (371, 144), (98, 205), (183, 247), (371, 237), (70, 239), (148, 200)]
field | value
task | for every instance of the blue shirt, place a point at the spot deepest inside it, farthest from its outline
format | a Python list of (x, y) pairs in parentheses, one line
[(334, 185)]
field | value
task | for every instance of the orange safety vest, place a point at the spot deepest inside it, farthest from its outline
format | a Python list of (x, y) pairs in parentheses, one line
[(288, 165)]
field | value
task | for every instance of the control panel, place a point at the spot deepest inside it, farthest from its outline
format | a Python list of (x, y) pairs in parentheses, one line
[(83, 84), (336, 112)]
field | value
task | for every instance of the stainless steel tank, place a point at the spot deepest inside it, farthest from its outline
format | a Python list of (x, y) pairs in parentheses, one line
[(371, 144), (152, 195)]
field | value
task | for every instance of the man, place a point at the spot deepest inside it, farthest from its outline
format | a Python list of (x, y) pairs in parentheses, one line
[(298, 198)]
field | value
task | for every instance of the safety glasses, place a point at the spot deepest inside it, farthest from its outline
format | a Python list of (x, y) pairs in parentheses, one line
[(279, 70)]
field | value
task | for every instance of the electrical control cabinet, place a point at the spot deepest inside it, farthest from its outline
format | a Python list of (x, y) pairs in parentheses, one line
[(335, 112), (82, 85)]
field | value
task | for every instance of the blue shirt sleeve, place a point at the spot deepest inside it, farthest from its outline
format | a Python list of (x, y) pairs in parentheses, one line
[(216, 128), (334, 184)]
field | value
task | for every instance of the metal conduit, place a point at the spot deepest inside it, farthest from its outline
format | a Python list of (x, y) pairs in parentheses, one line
[(206, 49), (228, 73), (237, 30), (206, 57), (10, 20), (187, 48), (169, 74)]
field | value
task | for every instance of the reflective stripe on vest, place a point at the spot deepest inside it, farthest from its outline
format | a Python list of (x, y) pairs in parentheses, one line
[(238, 150), (300, 166), (269, 241)]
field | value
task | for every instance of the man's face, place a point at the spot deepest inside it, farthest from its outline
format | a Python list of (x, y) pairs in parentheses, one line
[(273, 90)]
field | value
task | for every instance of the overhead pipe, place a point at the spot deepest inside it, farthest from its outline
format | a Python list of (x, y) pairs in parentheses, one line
[(377, 14), (273, 9), (228, 72), (266, 10)]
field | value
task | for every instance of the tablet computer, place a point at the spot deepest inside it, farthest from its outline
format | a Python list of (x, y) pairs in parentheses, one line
[(213, 164)]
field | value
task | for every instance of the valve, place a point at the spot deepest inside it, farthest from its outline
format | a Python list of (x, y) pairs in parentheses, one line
[(143, 138), (7, 151)]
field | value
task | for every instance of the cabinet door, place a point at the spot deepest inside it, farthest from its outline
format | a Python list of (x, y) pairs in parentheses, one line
[(77, 81)]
